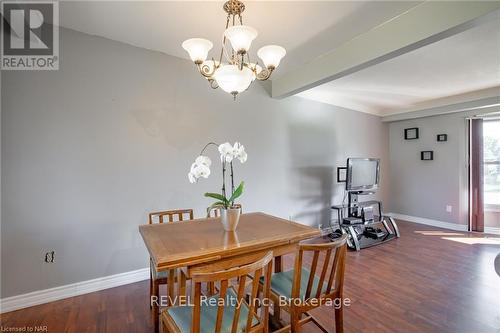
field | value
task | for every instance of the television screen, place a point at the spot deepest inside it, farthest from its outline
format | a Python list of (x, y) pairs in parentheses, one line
[(362, 174)]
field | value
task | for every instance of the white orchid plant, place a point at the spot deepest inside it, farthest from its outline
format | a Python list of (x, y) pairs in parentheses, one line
[(201, 169)]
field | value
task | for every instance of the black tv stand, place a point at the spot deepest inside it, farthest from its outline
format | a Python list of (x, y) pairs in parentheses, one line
[(363, 234)]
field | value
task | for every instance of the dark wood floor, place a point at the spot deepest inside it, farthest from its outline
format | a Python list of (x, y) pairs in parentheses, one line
[(429, 280)]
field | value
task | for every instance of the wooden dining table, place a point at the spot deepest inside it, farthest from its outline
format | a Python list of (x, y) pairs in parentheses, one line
[(194, 243)]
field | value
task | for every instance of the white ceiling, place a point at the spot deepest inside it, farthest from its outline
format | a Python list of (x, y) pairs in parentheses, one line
[(462, 63), (466, 62), (306, 29)]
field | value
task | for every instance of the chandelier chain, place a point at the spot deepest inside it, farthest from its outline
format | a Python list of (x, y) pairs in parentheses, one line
[(223, 41)]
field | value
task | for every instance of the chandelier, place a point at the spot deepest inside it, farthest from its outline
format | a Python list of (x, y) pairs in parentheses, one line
[(233, 72)]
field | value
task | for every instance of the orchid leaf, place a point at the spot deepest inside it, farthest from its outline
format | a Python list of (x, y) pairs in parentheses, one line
[(217, 204), (237, 193), (217, 196)]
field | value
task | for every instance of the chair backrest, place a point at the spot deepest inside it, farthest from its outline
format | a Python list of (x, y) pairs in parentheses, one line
[(215, 211), (173, 215), (261, 267), (331, 271)]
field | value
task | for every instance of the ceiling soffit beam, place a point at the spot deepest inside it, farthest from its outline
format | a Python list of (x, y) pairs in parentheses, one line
[(424, 24), (479, 104), (477, 99)]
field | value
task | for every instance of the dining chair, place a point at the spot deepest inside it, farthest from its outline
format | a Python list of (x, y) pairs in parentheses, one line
[(173, 215), (160, 278), (303, 290), (228, 311), (215, 211)]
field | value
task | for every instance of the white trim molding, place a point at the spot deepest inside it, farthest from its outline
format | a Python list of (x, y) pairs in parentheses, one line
[(492, 230), (449, 105), (491, 208), (434, 223), (75, 289)]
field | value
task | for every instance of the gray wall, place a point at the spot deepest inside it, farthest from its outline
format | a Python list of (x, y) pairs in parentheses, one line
[(425, 188), (89, 150)]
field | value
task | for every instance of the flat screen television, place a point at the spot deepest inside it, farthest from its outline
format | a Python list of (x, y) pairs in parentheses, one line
[(363, 174)]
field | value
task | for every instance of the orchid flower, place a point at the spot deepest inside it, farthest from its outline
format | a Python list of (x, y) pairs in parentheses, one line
[(239, 152), (226, 152), (243, 157), (203, 160), (192, 178), (201, 168)]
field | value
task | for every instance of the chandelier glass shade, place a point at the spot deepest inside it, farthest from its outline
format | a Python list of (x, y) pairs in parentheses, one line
[(241, 37), (198, 49), (271, 55), (234, 71)]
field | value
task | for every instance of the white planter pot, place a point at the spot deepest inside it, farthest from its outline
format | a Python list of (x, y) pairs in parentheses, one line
[(230, 218)]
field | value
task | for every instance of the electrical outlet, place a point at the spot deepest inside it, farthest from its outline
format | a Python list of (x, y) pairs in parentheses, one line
[(449, 208), (50, 256)]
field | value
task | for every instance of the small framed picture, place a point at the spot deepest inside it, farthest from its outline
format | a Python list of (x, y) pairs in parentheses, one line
[(341, 174), (427, 155), (442, 137), (411, 133)]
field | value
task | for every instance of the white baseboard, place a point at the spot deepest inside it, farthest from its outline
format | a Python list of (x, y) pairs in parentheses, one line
[(434, 223), (492, 230), (71, 290)]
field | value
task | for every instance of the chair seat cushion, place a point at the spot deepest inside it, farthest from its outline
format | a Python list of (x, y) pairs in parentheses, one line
[(182, 315), (281, 283)]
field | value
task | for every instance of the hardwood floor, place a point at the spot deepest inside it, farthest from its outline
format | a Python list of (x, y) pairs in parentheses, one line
[(429, 280)]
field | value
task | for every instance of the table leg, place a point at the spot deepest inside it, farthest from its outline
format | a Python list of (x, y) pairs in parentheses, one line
[(171, 287), (150, 286), (156, 308), (276, 312), (181, 284), (278, 264), (278, 267)]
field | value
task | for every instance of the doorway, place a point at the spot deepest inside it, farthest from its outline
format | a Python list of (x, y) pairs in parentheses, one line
[(484, 174), (491, 171)]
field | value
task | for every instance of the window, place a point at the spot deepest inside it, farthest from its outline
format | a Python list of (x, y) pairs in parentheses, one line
[(491, 142)]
